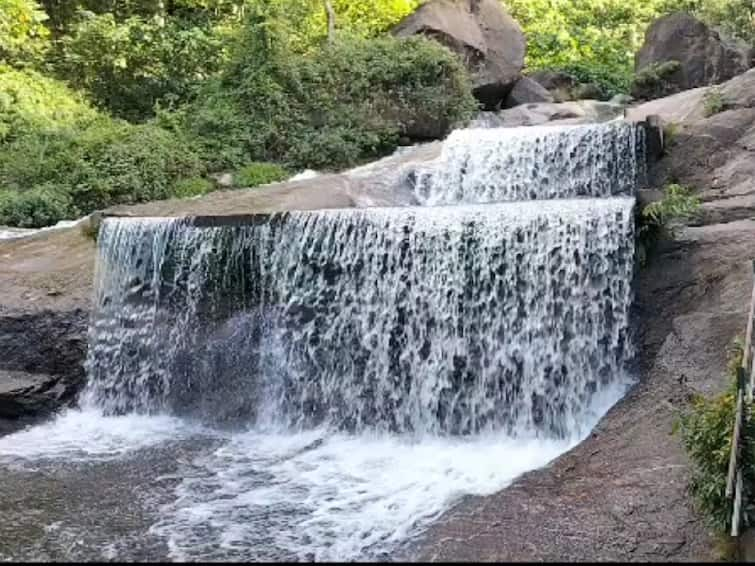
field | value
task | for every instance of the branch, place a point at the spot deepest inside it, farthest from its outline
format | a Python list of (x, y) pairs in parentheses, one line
[(331, 20)]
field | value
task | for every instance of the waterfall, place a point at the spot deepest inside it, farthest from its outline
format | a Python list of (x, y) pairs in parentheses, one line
[(537, 162), (453, 319), (322, 384)]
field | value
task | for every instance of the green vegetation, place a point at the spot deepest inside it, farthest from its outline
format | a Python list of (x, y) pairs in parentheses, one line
[(60, 158), (652, 81), (349, 102), (121, 101), (23, 35), (713, 102), (706, 431), (256, 174), (595, 40), (663, 218)]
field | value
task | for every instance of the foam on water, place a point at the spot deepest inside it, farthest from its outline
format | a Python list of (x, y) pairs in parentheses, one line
[(269, 495), (88, 435), (535, 162)]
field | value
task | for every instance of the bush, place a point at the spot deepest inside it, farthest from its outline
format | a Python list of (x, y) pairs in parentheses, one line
[(196, 186), (23, 35), (59, 158), (663, 218), (348, 102), (41, 206), (713, 102), (256, 174), (129, 66), (706, 432), (652, 81), (678, 206), (30, 102)]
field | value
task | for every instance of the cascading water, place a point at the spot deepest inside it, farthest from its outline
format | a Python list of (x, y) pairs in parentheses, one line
[(371, 365), (431, 320)]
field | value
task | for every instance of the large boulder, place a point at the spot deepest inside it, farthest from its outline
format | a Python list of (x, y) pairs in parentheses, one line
[(487, 38), (681, 53), (527, 91)]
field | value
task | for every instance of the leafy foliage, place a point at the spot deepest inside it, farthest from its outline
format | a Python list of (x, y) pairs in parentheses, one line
[(652, 81), (595, 40), (348, 101), (706, 432), (255, 174), (713, 102), (193, 187), (129, 66), (678, 206), (59, 158), (23, 35)]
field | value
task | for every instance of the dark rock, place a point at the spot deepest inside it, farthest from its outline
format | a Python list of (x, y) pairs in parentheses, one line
[(488, 39), (588, 91), (558, 83), (41, 361), (526, 91), (703, 56)]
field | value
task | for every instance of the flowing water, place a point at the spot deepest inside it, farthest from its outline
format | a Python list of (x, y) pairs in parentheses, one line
[(323, 384)]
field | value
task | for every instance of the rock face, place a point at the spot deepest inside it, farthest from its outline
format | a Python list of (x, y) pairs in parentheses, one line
[(713, 154), (488, 39), (527, 91), (41, 361), (704, 58), (558, 83)]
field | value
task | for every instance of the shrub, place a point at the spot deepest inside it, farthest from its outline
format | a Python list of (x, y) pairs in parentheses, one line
[(23, 35), (348, 102), (128, 66), (195, 186), (713, 102), (38, 207), (30, 102), (652, 81), (60, 158), (706, 432), (678, 206), (256, 174)]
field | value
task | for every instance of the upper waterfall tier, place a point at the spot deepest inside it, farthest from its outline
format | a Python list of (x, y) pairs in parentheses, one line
[(534, 163)]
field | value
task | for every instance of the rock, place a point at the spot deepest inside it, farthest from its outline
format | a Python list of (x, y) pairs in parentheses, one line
[(526, 91), (702, 56), (223, 179), (41, 361), (488, 39), (588, 91), (558, 83), (621, 99), (713, 154), (575, 112)]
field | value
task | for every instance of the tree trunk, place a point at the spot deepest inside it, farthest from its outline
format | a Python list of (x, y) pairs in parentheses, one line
[(331, 20)]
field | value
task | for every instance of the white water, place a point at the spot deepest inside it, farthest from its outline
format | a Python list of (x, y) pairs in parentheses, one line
[(267, 494)]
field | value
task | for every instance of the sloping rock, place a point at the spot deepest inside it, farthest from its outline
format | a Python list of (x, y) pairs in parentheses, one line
[(488, 39), (703, 56), (554, 113), (527, 91), (713, 154)]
